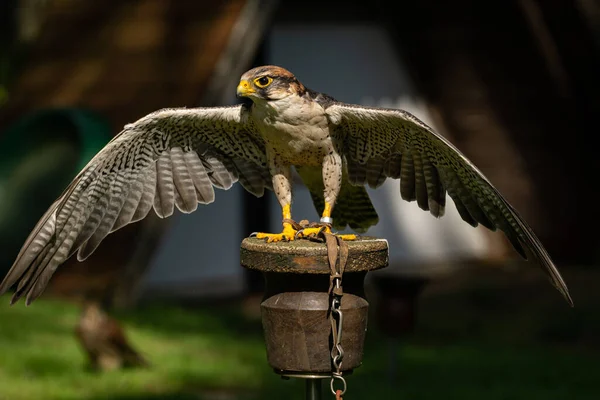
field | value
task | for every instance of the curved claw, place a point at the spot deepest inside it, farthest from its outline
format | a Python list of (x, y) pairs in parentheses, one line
[(253, 234)]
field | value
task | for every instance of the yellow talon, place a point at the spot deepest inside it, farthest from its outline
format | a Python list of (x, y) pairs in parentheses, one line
[(307, 232), (288, 234)]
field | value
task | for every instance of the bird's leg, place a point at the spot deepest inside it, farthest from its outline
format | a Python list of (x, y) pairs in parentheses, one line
[(282, 186), (332, 181), (326, 222)]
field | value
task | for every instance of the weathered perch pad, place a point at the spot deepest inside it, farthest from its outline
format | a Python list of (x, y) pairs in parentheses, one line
[(296, 302)]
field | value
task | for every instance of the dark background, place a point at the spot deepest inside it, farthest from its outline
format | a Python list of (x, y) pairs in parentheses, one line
[(514, 84)]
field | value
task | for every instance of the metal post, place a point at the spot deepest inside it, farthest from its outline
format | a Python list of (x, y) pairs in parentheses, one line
[(313, 389)]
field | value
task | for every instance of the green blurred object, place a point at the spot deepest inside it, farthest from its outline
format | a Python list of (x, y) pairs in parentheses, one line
[(39, 155)]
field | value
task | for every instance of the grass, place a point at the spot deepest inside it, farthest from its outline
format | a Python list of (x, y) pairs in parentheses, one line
[(191, 353), (473, 341)]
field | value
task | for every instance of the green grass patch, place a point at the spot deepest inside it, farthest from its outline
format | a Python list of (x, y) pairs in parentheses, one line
[(459, 351)]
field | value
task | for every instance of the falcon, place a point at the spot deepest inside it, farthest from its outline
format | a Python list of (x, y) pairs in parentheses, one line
[(174, 158)]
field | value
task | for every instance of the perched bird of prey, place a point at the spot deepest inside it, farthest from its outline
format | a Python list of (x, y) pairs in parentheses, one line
[(174, 157)]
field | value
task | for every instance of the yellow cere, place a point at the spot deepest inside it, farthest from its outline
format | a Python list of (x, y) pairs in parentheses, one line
[(244, 88)]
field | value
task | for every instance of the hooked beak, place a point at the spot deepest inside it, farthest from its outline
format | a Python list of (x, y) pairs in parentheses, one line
[(244, 89)]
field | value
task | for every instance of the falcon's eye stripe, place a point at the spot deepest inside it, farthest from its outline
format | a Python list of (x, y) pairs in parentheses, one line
[(263, 81)]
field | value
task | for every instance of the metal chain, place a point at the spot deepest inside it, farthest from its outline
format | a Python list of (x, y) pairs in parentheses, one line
[(336, 315), (337, 351)]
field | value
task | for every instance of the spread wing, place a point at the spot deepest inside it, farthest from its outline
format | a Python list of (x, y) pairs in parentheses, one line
[(379, 143), (170, 158)]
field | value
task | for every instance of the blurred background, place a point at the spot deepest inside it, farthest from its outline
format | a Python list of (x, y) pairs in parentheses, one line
[(514, 84)]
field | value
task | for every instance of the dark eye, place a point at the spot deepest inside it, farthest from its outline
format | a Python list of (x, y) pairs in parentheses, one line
[(263, 81)]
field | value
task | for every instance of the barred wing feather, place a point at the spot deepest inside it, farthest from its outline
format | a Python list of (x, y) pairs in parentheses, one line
[(379, 143), (169, 159)]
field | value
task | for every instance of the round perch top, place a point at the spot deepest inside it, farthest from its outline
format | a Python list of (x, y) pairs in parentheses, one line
[(308, 257)]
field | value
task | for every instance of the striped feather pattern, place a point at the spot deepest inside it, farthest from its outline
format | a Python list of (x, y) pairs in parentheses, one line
[(428, 166), (169, 159)]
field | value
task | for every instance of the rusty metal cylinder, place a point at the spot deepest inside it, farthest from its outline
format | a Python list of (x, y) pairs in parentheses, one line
[(295, 305)]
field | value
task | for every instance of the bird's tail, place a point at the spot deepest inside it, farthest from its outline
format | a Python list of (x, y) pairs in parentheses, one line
[(353, 207), (134, 359)]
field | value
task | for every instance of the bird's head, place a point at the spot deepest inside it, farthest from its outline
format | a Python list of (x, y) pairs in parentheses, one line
[(268, 83)]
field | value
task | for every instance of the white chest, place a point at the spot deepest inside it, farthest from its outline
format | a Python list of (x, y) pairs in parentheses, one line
[(295, 130)]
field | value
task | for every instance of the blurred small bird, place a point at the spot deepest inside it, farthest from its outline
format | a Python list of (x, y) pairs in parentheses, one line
[(174, 157), (104, 341)]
